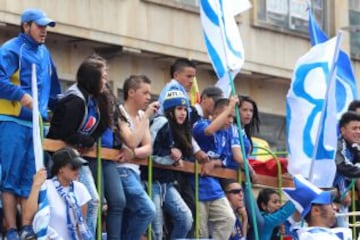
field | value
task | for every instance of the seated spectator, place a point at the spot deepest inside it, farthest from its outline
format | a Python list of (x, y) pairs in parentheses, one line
[(316, 207), (171, 137), (211, 135), (274, 215), (67, 199), (235, 195)]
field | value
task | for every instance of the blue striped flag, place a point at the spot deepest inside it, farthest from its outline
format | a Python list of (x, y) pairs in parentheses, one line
[(222, 38), (345, 80), (42, 216), (304, 105)]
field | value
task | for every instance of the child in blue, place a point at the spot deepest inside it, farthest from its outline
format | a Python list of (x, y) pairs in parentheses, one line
[(171, 137), (212, 137)]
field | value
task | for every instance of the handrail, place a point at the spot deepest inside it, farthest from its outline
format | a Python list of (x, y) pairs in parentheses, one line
[(189, 167), (279, 169)]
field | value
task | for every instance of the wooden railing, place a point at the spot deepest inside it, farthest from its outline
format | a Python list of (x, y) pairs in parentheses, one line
[(189, 167)]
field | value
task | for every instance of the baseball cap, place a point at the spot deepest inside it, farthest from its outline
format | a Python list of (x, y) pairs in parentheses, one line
[(38, 16), (67, 155), (305, 194)]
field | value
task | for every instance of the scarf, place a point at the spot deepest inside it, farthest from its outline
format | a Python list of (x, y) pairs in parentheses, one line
[(75, 222)]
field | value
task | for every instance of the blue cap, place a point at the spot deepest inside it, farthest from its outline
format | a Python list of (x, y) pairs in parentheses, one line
[(305, 194), (174, 98), (38, 16)]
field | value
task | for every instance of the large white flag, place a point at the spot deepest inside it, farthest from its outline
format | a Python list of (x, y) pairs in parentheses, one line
[(305, 104), (222, 38), (42, 216)]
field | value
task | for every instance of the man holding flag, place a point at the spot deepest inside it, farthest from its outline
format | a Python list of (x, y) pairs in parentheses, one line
[(16, 143)]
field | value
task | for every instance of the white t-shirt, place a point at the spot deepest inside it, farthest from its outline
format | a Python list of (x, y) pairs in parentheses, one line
[(132, 166), (58, 207), (318, 233)]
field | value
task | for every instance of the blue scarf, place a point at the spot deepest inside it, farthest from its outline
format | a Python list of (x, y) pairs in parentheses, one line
[(75, 222)]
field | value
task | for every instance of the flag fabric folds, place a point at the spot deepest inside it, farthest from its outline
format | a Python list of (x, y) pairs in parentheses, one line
[(345, 79), (222, 38), (42, 216), (304, 105), (309, 109), (194, 93)]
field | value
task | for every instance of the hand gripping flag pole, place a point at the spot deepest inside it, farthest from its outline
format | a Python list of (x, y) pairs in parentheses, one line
[(225, 50)]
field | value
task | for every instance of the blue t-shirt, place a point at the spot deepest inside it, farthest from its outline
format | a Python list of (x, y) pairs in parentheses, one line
[(235, 142), (209, 187)]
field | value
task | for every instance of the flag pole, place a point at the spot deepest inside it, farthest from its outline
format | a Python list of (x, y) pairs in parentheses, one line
[(238, 123), (248, 187), (332, 78)]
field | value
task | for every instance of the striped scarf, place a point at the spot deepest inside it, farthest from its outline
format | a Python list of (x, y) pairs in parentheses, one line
[(75, 222)]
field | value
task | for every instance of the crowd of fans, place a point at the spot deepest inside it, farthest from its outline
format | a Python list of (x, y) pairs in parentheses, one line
[(169, 130)]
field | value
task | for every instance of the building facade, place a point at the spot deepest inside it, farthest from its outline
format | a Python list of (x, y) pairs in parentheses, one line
[(145, 36)]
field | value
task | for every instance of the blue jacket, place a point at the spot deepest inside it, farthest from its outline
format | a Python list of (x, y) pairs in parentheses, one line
[(16, 58)]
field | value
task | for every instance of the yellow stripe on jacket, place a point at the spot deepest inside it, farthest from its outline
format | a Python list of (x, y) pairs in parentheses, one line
[(11, 108)]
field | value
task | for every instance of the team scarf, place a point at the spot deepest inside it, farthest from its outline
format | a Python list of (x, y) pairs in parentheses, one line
[(75, 222)]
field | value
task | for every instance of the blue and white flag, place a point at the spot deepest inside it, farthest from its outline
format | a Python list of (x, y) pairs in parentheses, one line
[(42, 216), (345, 79), (304, 105), (222, 38)]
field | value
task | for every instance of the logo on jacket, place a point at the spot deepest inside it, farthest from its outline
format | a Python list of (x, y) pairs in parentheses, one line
[(89, 124)]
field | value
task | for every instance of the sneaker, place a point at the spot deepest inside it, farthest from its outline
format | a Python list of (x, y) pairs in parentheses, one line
[(12, 234), (27, 233)]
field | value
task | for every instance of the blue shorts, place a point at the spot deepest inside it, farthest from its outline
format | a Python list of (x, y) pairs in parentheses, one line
[(16, 158)]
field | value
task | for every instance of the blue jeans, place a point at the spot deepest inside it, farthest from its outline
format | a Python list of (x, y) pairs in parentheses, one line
[(166, 198), (114, 195), (140, 207), (86, 178)]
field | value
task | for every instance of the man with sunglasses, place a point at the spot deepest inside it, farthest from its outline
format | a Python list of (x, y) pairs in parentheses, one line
[(234, 194), (16, 145)]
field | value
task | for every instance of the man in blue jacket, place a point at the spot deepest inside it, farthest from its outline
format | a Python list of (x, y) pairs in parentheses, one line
[(16, 144)]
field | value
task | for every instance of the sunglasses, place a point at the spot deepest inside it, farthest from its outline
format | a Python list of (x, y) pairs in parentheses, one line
[(235, 191)]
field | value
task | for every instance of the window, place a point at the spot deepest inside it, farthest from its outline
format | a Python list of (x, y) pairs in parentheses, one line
[(289, 15), (188, 2), (354, 20)]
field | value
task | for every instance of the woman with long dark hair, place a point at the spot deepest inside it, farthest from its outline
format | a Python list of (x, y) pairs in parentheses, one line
[(171, 139), (81, 116)]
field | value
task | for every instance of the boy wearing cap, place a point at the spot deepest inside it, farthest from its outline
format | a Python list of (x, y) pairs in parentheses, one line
[(16, 147), (66, 197), (205, 108), (316, 207)]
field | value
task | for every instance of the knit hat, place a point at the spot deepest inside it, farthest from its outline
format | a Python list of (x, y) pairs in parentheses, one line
[(174, 98), (305, 194)]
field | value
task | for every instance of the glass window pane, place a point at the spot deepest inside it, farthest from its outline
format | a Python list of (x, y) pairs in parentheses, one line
[(289, 15), (354, 20), (188, 2)]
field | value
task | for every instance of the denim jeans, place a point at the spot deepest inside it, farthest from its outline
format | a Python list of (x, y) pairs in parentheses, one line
[(87, 179), (166, 198), (141, 210), (114, 195)]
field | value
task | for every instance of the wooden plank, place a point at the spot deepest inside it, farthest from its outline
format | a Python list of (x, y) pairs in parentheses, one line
[(109, 154)]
